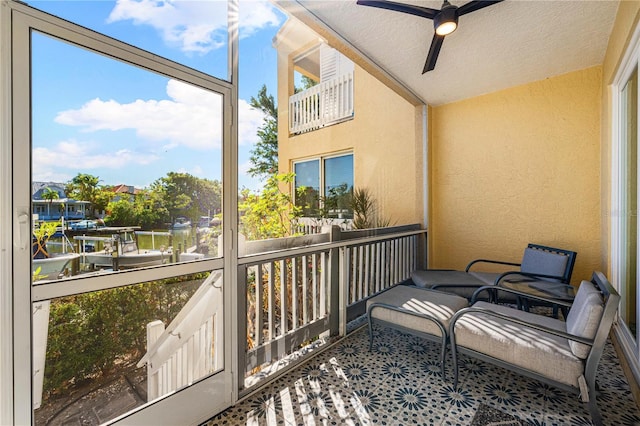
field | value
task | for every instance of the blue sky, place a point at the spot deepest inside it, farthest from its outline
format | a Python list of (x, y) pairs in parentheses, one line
[(95, 115)]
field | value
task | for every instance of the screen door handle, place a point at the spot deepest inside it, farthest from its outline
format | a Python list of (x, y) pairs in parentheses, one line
[(24, 239)]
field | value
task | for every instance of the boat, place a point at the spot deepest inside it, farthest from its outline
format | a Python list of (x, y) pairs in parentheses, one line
[(204, 222), (119, 250), (181, 223), (54, 258)]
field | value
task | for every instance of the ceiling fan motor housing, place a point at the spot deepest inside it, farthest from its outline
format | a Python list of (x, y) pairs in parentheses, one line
[(446, 21)]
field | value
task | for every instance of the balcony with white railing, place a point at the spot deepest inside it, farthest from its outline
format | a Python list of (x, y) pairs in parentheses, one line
[(329, 102)]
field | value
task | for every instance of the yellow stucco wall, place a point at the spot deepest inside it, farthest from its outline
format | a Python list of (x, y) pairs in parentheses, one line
[(626, 21), (517, 166), (385, 137)]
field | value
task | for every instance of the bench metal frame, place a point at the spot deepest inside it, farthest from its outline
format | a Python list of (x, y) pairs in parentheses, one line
[(611, 300)]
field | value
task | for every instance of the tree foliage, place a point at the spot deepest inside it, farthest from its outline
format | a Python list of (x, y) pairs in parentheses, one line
[(270, 213), (264, 156), (91, 334), (84, 187), (185, 195), (49, 195)]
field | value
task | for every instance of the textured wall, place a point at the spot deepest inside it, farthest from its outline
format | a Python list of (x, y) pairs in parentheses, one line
[(385, 137), (516, 166)]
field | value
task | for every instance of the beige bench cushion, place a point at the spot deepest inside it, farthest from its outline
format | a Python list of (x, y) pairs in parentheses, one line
[(519, 345), (437, 304), (584, 317)]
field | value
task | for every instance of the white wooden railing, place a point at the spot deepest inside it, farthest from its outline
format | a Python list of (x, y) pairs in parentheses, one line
[(313, 225), (294, 290), (190, 347), (326, 103)]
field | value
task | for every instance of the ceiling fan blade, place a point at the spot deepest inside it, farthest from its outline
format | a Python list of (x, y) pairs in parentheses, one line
[(472, 6), (424, 12), (434, 50)]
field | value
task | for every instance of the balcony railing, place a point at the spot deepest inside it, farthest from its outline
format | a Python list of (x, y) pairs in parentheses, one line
[(296, 291), (324, 104)]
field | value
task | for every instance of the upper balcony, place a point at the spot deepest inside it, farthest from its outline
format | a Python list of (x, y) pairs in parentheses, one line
[(329, 102)]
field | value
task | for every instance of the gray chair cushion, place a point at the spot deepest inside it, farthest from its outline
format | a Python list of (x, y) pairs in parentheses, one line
[(437, 304), (519, 345), (584, 317), (458, 282), (543, 262)]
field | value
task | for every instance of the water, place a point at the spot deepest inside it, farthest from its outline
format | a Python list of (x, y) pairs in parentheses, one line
[(179, 238)]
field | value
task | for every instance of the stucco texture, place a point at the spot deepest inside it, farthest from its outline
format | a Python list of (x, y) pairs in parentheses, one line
[(517, 166), (384, 136)]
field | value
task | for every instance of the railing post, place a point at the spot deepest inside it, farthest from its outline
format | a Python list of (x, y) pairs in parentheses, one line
[(334, 281), (421, 251), (154, 331), (242, 323)]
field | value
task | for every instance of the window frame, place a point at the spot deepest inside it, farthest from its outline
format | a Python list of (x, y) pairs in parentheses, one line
[(17, 21), (618, 170), (322, 172)]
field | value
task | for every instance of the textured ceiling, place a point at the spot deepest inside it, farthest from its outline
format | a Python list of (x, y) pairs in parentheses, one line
[(504, 45)]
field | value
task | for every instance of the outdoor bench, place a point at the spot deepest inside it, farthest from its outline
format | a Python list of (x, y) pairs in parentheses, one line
[(421, 312), (563, 354)]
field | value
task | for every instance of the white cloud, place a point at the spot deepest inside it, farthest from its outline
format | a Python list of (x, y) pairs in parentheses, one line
[(89, 154), (195, 170), (255, 15), (194, 26), (192, 118), (249, 119)]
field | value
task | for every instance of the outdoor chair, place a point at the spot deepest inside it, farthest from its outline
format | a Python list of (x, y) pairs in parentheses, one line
[(539, 263), (421, 312), (563, 354)]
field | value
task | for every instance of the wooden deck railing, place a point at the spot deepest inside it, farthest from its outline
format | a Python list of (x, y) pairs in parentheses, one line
[(326, 103), (297, 293), (293, 290)]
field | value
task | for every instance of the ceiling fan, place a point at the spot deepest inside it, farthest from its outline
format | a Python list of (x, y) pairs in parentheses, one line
[(445, 20)]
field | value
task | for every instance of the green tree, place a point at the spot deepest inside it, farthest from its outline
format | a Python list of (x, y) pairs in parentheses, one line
[(185, 195), (264, 156), (122, 213), (150, 210), (49, 195), (268, 214), (93, 334), (84, 187), (307, 83)]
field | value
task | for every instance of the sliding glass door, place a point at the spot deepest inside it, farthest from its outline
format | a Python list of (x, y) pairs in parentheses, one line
[(625, 236), (629, 243)]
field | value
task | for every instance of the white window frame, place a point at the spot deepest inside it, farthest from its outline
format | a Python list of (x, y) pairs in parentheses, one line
[(191, 405), (630, 60)]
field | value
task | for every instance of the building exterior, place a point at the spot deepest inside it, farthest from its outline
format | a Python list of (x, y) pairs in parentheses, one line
[(354, 147), (552, 161), (56, 208)]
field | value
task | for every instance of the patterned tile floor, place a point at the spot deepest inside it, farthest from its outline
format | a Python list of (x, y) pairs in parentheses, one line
[(399, 383)]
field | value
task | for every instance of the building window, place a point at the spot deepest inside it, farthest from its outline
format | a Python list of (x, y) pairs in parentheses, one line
[(324, 186)]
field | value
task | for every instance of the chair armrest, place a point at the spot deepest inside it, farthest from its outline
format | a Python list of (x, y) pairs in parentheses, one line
[(536, 277), (497, 262), (493, 288), (472, 309)]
